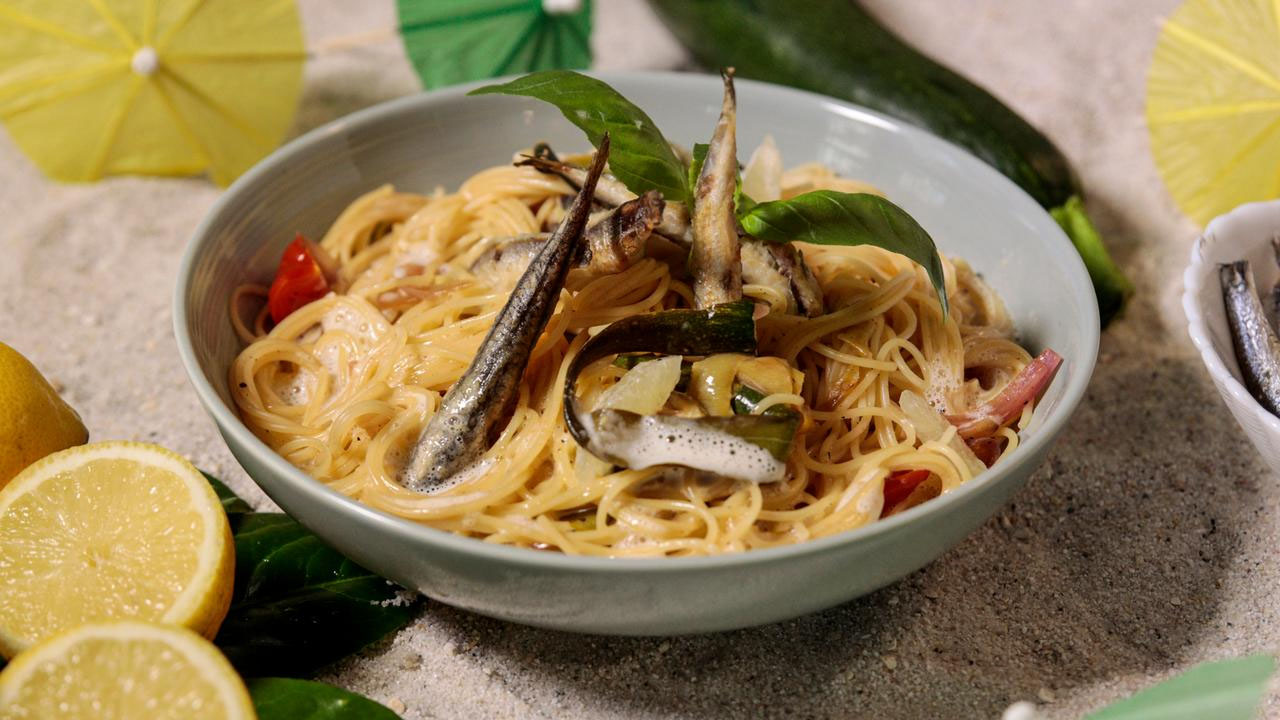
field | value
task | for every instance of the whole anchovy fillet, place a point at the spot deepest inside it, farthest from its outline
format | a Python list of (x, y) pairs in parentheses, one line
[(716, 260), (485, 396), (610, 192), (611, 246), (1272, 302), (1256, 345), (782, 267)]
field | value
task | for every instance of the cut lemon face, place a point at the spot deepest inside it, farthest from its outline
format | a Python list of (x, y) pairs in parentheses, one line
[(110, 531), (123, 670), (1213, 104)]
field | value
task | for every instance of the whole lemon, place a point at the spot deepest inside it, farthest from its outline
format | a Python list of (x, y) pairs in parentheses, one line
[(34, 421)]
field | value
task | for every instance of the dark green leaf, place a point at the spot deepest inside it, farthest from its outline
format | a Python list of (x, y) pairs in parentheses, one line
[(697, 157), (289, 699), (827, 217), (742, 202), (641, 157), (1223, 690), (231, 503), (298, 603)]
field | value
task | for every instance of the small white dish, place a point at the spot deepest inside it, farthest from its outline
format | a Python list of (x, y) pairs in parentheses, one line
[(1242, 234)]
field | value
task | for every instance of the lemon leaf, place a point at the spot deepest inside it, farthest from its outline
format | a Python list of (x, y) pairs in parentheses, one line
[(231, 502), (288, 584), (290, 699), (1224, 690)]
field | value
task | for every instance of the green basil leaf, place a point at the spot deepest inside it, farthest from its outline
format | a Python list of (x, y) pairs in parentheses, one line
[(1223, 690), (742, 202), (231, 502), (289, 699), (827, 217), (697, 157), (298, 603), (642, 158)]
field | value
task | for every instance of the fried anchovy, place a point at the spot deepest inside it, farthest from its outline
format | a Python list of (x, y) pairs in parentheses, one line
[(610, 192), (484, 397), (716, 256), (782, 267), (1272, 302), (1256, 345), (611, 245)]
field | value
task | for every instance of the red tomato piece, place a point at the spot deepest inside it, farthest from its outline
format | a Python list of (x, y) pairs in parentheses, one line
[(299, 280), (899, 485)]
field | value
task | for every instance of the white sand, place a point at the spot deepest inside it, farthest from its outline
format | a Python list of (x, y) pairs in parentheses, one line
[(1146, 544)]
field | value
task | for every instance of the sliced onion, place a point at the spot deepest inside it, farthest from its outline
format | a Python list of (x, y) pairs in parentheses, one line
[(644, 389), (932, 427), (762, 178)]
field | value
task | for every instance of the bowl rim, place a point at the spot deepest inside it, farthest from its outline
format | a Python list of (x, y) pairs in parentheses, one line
[(230, 424), (1193, 282)]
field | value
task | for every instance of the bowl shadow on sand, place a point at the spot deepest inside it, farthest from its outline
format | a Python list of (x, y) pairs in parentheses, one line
[(1109, 563)]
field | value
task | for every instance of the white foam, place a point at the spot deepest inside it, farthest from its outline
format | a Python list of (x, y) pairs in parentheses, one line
[(653, 442)]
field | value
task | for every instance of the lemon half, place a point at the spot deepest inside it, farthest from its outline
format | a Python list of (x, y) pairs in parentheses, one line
[(109, 531), (124, 670), (1213, 104)]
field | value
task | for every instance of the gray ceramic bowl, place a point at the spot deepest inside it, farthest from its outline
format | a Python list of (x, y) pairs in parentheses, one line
[(441, 138)]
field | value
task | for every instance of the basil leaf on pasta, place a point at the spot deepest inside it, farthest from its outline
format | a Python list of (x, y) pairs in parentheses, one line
[(827, 217), (642, 158)]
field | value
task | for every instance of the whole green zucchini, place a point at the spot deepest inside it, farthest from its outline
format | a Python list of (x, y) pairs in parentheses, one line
[(836, 48)]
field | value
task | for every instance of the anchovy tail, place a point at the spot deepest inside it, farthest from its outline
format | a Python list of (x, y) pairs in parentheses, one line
[(716, 256)]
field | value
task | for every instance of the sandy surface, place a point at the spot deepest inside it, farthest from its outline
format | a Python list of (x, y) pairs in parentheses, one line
[(1146, 544)]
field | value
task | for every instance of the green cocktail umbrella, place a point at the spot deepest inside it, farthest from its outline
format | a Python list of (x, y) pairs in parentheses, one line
[(454, 41)]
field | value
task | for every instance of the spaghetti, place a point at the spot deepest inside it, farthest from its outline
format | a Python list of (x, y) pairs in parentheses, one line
[(342, 386)]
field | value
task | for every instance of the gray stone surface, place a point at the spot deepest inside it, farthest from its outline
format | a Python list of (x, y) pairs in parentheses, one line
[(1147, 543)]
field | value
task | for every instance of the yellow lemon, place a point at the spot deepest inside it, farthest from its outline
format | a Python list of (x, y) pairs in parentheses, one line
[(1213, 104), (123, 670), (108, 531), (34, 421)]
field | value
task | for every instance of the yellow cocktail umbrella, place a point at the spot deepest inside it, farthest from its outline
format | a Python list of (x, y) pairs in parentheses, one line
[(160, 87)]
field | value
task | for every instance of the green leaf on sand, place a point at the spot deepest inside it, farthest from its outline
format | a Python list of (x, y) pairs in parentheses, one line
[(289, 699), (640, 156), (298, 604), (826, 217), (1223, 690)]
